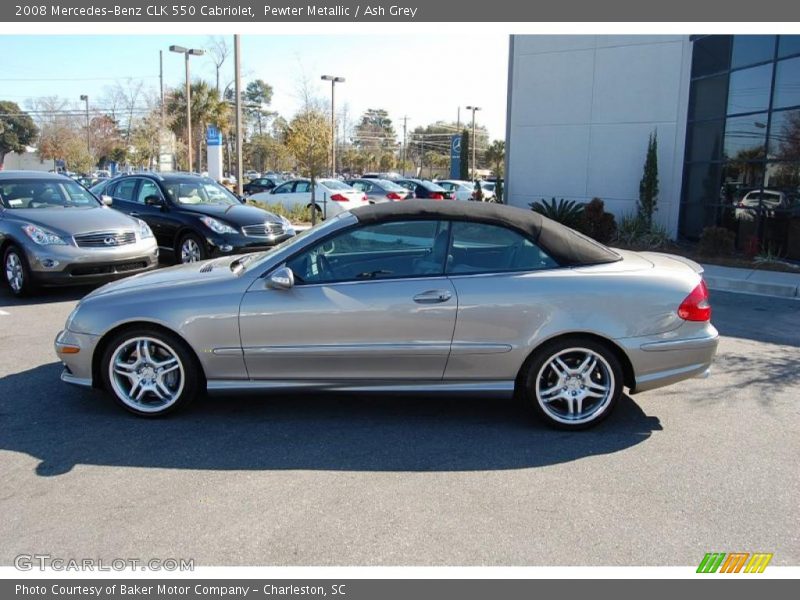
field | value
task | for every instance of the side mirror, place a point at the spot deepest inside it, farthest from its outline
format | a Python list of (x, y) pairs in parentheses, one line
[(281, 279), (153, 201), (106, 200)]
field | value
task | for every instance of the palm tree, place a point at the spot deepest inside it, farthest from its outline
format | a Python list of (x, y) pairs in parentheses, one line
[(208, 108), (496, 156)]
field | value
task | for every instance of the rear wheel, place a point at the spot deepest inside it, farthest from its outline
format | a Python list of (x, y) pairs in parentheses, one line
[(150, 372), (16, 271), (573, 383)]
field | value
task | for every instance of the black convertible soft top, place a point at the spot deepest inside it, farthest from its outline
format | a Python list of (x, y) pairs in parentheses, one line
[(568, 247)]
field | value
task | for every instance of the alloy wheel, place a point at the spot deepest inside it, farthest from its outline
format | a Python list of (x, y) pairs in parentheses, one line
[(190, 251), (146, 374), (15, 274), (575, 386)]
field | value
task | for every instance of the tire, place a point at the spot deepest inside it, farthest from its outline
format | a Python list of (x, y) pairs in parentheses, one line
[(150, 373), (190, 248), (17, 272), (573, 383), (317, 208)]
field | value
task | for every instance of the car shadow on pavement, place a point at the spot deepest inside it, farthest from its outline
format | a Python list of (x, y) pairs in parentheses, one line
[(44, 295), (64, 426)]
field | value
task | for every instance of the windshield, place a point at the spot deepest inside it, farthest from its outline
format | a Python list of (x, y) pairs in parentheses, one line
[(199, 192), (33, 193), (390, 186)]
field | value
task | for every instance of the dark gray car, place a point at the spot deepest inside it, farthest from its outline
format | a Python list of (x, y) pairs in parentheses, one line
[(55, 232), (380, 190)]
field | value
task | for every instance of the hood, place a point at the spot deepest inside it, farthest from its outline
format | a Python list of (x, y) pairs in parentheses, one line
[(73, 221), (236, 214), (179, 275)]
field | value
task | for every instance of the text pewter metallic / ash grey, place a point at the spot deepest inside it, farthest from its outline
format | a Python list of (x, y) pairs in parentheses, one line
[(414, 296)]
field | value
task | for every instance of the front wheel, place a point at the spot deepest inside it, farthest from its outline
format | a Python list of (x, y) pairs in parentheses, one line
[(16, 271), (573, 383), (191, 249), (150, 372)]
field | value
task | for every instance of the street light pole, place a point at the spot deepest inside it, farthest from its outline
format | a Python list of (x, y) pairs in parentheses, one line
[(473, 109), (187, 52), (85, 98), (334, 80), (238, 79)]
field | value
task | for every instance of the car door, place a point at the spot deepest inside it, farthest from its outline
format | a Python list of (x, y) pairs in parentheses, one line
[(283, 194), (123, 194), (502, 279), (162, 221), (370, 303)]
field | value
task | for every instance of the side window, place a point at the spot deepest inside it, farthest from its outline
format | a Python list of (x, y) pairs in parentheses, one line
[(383, 251), (302, 187), (125, 189), (483, 248), (286, 188), (358, 185), (148, 188)]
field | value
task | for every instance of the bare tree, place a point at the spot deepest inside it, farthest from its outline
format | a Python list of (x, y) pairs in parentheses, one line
[(219, 51)]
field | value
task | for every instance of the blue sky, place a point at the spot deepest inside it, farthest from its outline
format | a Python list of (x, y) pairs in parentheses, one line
[(424, 76)]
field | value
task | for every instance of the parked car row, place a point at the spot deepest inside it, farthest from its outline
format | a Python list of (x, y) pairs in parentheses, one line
[(53, 231)]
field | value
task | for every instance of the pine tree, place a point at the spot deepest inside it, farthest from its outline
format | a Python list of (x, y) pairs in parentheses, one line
[(463, 165), (648, 186)]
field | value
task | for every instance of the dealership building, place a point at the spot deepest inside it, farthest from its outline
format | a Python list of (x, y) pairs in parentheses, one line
[(726, 110)]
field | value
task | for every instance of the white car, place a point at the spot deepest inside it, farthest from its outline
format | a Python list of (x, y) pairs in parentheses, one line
[(251, 175), (331, 196), (462, 190)]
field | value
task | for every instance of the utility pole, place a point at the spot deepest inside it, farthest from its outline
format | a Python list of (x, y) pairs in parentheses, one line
[(187, 52), (85, 98), (473, 109), (458, 120), (405, 124), (237, 66), (334, 80)]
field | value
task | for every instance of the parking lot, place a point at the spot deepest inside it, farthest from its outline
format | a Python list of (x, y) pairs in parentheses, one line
[(705, 465)]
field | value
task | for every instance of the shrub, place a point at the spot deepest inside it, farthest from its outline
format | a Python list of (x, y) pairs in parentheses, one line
[(716, 241), (566, 212), (634, 232), (597, 223), (295, 214)]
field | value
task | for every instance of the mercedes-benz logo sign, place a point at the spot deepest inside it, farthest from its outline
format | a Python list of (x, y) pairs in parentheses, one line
[(110, 241)]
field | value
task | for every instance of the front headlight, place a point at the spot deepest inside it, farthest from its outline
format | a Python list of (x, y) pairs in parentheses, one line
[(287, 224), (144, 230), (217, 226), (43, 237)]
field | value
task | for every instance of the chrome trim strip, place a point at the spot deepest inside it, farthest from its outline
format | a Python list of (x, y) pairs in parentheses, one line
[(350, 350), (227, 351), (685, 344), (465, 348), (226, 385), (71, 379)]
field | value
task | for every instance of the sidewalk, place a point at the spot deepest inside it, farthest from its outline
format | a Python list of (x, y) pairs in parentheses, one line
[(753, 281)]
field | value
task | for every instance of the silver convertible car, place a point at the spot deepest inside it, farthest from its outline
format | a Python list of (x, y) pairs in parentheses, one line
[(416, 296)]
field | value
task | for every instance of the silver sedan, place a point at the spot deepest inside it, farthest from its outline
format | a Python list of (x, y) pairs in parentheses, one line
[(410, 297)]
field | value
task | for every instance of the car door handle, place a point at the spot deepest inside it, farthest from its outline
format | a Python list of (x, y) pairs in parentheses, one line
[(433, 297), (133, 214)]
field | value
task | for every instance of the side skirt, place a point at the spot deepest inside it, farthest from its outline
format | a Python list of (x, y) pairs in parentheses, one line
[(503, 389)]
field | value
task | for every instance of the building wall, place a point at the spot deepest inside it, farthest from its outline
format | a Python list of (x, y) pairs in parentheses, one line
[(28, 161), (580, 112)]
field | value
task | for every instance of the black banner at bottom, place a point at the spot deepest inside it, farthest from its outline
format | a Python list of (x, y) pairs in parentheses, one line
[(387, 589)]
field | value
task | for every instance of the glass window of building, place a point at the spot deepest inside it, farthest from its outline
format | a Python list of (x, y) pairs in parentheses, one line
[(752, 49), (788, 45), (784, 135), (749, 90), (787, 83), (708, 98), (705, 141), (711, 54), (746, 137)]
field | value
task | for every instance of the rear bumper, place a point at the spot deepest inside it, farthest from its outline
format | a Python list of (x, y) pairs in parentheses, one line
[(683, 354)]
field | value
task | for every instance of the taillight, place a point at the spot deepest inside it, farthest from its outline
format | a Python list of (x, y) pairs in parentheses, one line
[(436, 196), (695, 306), (340, 198), (394, 196)]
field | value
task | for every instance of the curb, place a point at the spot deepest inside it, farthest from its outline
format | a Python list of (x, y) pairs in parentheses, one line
[(742, 286)]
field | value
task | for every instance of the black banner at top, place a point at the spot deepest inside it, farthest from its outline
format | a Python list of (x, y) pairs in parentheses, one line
[(515, 11)]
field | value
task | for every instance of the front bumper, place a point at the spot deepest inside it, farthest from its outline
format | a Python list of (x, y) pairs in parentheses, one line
[(75, 351), (69, 265), (225, 245), (659, 361)]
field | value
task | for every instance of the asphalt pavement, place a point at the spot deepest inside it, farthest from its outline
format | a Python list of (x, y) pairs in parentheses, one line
[(705, 465)]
